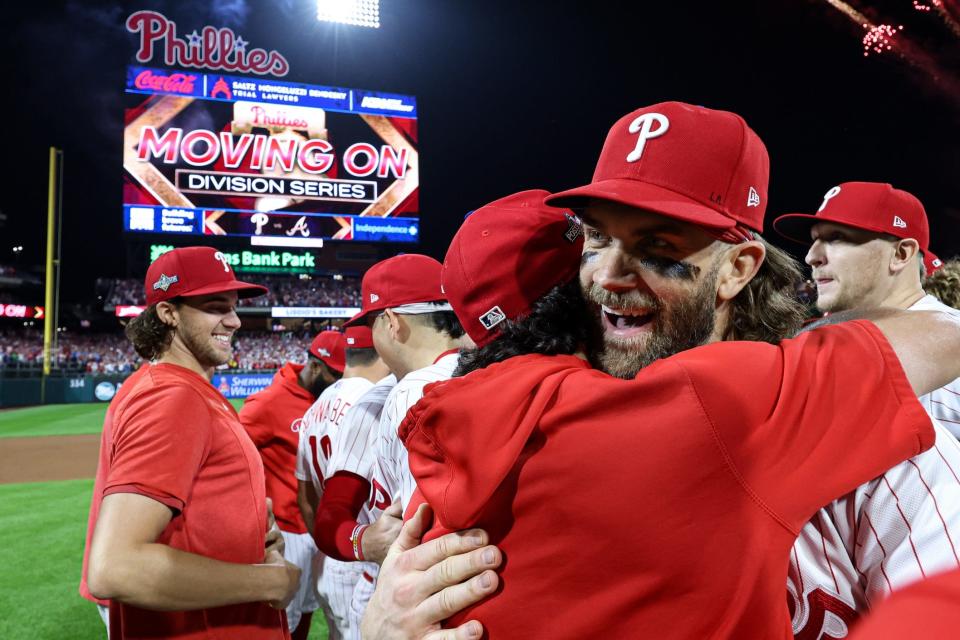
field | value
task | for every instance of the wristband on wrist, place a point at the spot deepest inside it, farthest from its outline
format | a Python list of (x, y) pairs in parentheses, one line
[(356, 538)]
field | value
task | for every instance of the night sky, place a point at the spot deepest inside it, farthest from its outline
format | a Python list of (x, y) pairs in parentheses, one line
[(511, 96)]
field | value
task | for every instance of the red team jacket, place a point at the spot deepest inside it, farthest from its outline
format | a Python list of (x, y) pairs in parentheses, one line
[(171, 436), (272, 418), (663, 506)]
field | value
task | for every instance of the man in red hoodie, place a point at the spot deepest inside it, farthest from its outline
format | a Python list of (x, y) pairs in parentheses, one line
[(678, 519), (272, 417)]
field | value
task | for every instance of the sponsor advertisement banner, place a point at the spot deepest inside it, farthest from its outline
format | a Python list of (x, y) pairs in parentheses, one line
[(240, 385)]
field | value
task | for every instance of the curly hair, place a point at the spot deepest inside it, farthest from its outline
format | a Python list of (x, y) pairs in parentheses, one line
[(944, 283), (768, 309), (559, 323), (148, 333)]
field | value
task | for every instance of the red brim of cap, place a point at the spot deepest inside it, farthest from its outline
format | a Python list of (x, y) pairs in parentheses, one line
[(243, 289), (796, 226), (357, 319), (360, 318), (642, 195)]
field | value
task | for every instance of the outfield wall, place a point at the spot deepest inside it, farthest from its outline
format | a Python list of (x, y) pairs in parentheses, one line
[(21, 392)]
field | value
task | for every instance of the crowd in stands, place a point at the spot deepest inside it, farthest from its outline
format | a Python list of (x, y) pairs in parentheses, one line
[(113, 353), (285, 291)]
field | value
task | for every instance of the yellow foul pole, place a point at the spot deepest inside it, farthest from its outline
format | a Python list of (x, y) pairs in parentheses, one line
[(48, 313)]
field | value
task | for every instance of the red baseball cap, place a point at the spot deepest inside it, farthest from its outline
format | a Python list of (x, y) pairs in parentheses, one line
[(686, 162), (330, 347), (872, 206), (194, 271), (359, 337), (507, 255), (404, 279)]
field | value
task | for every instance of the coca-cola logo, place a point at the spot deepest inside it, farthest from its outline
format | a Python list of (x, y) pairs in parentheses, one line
[(173, 83), (211, 48)]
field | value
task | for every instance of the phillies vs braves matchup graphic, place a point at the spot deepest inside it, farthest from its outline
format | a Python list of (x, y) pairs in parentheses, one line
[(209, 152)]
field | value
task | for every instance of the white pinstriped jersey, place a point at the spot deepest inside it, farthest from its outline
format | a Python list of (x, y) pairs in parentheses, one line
[(393, 469), (354, 449), (944, 403), (320, 427), (319, 431), (888, 533)]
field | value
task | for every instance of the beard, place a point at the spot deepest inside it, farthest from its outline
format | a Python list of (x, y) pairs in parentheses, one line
[(679, 326), (319, 386), (206, 353)]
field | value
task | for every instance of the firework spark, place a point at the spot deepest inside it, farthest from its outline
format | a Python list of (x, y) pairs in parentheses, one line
[(879, 38)]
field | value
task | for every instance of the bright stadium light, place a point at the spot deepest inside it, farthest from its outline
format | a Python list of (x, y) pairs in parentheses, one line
[(359, 13)]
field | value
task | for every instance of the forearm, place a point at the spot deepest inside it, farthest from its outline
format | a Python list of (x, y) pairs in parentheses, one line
[(927, 343), (307, 501), (337, 514), (156, 576)]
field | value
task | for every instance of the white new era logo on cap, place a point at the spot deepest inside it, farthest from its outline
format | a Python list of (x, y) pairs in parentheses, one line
[(351, 340), (753, 198), (324, 353), (373, 298), (899, 223)]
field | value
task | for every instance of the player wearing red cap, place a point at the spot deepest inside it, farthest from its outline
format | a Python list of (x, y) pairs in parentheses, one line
[(179, 542), (272, 419), (320, 429), (870, 248), (668, 252), (418, 337), (944, 283)]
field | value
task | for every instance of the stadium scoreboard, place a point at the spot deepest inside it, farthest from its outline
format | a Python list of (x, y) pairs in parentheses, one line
[(207, 152)]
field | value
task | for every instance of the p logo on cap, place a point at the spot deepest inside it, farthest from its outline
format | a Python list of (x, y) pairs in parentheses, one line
[(643, 125), (871, 206), (698, 165)]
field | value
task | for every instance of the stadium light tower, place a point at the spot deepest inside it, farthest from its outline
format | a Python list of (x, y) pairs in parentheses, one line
[(359, 13)]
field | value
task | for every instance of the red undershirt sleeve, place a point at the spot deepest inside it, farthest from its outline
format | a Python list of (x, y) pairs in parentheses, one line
[(343, 496)]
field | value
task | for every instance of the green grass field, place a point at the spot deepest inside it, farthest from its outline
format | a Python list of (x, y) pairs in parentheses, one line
[(58, 419), (43, 525)]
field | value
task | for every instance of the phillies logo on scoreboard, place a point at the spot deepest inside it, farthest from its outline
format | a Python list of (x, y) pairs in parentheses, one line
[(212, 48)]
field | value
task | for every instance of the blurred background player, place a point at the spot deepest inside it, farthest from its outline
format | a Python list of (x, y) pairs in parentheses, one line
[(870, 248), (179, 541), (319, 429), (418, 337), (944, 283), (272, 418)]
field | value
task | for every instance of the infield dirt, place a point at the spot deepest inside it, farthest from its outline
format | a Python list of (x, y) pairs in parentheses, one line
[(43, 459)]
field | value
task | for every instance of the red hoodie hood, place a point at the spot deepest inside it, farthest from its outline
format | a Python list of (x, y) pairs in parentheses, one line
[(466, 434), (289, 376)]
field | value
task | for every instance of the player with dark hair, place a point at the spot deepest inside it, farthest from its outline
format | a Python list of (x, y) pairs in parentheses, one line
[(272, 418), (178, 545), (418, 337)]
